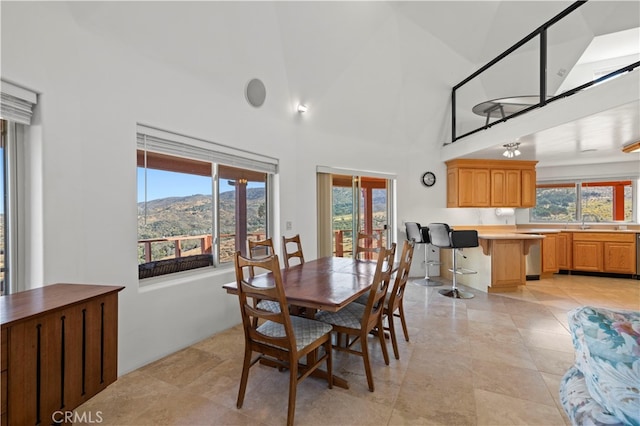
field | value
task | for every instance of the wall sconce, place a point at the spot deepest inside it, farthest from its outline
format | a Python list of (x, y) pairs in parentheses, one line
[(632, 147), (511, 150), (302, 108)]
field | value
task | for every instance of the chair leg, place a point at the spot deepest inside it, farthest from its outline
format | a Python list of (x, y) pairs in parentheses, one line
[(403, 321), (392, 332), (245, 376), (453, 292), (329, 350), (367, 364), (383, 343), (293, 385)]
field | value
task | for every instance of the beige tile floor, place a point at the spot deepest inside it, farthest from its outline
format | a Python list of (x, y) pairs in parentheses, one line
[(496, 359)]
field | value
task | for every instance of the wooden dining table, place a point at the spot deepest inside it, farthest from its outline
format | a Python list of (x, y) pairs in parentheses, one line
[(327, 283)]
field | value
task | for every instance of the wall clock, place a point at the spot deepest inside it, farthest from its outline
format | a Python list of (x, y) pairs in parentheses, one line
[(428, 179)]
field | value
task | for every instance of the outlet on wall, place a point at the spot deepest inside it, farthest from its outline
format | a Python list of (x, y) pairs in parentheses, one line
[(288, 225)]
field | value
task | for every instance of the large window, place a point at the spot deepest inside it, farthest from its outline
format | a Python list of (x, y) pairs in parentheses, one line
[(194, 211), (600, 201)]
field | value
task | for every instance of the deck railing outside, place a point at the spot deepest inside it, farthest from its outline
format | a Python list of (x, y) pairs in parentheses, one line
[(343, 244)]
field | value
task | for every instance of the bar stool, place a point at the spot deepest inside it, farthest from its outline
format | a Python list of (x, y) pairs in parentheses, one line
[(420, 235), (446, 238)]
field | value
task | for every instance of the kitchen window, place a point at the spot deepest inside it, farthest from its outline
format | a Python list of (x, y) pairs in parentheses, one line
[(581, 201), (198, 202)]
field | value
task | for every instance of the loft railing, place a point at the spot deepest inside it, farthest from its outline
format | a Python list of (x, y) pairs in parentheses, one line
[(515, 89)]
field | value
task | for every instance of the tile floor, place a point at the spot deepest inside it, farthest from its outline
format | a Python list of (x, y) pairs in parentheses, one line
[(496, 359)]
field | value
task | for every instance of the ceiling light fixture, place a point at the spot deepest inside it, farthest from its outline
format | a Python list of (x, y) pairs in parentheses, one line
[(511, 150), (302, 108), (632, 147)]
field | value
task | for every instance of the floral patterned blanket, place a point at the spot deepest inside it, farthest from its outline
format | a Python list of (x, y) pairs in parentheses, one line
[(607, 345)]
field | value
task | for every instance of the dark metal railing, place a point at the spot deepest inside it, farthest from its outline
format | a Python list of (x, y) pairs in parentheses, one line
[(543, 98)]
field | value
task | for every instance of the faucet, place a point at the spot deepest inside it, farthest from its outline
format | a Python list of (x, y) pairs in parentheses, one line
[(583, 226)]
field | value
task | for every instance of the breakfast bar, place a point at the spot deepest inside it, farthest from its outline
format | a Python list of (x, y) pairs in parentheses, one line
[(500, 261)]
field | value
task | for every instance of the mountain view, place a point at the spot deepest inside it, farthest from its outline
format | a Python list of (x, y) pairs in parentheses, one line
[(192, 216)]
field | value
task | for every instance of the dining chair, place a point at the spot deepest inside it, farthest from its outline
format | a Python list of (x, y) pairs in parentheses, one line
[(356, 320), (295, 252), (260, 250), (367, 246), (280, 338), (394, 306)]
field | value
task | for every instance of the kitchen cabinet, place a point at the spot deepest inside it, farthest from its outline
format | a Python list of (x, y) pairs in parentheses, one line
[(468, 187), (59, 348), (549, 254), (564, 249), (506, 188), (604, 252), (490, 183)]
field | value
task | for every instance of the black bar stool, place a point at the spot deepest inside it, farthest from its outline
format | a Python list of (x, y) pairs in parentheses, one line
[(446, 238), (420, 235)]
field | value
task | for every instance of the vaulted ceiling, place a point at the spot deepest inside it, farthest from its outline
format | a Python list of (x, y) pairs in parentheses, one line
[(378, 70)]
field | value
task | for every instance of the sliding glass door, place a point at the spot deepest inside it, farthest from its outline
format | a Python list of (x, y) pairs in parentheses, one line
[(348, 204)]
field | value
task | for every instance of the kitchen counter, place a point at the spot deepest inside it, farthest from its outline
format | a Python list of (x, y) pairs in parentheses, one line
[(500, 261)]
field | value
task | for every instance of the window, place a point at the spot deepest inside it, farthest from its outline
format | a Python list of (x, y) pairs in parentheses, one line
[(600, 201), (196, 210), (16, 110)]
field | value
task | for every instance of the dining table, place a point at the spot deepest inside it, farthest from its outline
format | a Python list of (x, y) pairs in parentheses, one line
[(326, 283)]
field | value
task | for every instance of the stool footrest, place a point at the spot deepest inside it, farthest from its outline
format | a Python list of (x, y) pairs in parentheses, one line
[(463, 271)]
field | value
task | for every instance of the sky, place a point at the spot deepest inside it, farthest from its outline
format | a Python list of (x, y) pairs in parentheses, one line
[(162, 184)]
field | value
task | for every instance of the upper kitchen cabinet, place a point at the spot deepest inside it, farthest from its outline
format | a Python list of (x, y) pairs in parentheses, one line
[(491, 183)]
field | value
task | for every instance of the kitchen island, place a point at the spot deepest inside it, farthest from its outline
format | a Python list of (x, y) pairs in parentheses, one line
[(500, 261)]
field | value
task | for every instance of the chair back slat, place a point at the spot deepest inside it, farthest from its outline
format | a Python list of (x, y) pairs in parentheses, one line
[(249, 295), (367, 246), (259, 250), (402, 276), (379, 287), (291, 253)]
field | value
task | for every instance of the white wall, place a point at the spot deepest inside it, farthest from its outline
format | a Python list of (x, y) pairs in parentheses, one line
[(94, 89)]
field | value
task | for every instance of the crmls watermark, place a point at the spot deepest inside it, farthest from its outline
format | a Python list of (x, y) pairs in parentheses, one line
[(59, 417)]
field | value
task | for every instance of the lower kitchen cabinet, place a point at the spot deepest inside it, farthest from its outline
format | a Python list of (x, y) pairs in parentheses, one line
[(604, 252)]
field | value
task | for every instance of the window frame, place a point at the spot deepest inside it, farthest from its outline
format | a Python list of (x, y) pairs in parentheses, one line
[(580, 184), (168, 144)]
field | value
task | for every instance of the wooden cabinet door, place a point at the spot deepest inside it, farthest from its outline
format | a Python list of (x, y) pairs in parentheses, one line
[(513, 189), (452, 188), (564, 251), (549, 254), (498, 188), (506, 188), (619, 257), (473, 188), (587, 256), (528, 180)]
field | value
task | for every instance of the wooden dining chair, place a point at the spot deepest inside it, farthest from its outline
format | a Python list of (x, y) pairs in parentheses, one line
[(280, 338), (367, 246), (356, 320), (393, 306), (260, 250), (292, 248)]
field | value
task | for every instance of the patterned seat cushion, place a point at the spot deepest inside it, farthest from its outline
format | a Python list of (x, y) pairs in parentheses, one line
[(364, 298), (607, 345), (269, 305), (305, 330), (349, 316), (581, 408)]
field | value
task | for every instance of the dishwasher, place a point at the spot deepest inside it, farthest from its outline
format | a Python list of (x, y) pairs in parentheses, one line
[(534, 262)]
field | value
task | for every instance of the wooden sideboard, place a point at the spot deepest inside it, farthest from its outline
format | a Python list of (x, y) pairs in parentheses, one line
[(59, 348)]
